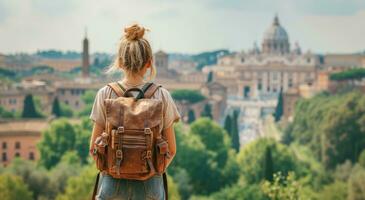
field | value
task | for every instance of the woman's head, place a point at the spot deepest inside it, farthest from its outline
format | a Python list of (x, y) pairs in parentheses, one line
[(134, 54)]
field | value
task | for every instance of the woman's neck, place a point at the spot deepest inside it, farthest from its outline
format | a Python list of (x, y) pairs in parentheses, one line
[(133, 80)]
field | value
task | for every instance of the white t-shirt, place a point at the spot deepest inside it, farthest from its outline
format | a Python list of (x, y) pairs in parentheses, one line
[(170, 111)]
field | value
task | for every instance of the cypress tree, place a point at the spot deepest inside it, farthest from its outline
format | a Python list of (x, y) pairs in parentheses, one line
[(56, 109), (207, 111), (191, 116), (29, 110), (228, 125), (235, 132), (279, 110), (210, 77), (268, 165)]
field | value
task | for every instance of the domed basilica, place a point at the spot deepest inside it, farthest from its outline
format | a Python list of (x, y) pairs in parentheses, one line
[(263, 72)]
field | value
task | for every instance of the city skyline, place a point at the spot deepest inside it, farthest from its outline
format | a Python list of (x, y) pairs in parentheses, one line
[(181, 26)]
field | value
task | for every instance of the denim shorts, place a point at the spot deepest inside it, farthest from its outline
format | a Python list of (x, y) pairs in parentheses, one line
[(122, 189)]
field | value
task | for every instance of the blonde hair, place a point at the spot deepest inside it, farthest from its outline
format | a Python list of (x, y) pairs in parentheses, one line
[(134, 52)]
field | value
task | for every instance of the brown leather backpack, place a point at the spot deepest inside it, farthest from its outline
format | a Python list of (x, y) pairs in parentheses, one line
[(132, 146)]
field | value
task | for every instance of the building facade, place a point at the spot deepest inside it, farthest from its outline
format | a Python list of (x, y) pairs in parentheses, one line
[(266, 71)]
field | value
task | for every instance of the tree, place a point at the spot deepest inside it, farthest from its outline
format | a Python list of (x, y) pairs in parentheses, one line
[(332, 126), (191, 116), (235, 131), (207, 111), (251, 158), (88, 99), (5, 114), (282, 187), (12, 188), (268, 165), (56, 109), (29, 110), (356, 184), (190, 96), (228, 125), (56, 140), (80, 187), (279, 110), (210, 77)]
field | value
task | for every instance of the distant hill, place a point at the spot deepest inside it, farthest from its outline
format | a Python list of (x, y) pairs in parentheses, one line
[(55, 54), (202, 59)]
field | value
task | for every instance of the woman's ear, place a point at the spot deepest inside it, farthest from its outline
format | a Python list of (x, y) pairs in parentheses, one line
[(149, 63)]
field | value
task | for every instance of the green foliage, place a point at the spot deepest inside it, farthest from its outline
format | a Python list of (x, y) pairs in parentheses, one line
[(234, 192), (80, 187), (208, 58), (356, 73), (88, 99), (228, 125), (235, 137), (362, 158), (6, 114), (334, 191), (56, 108), (29, 109), (59, 138), (268, 165), (205, 158), (191, 116), (12, 188), (333, 126), (279, 110), (190, 96), (61, 109), (173, 189), (210, 77), (282, 187), (251, 159), (207, 111), (356, 185)]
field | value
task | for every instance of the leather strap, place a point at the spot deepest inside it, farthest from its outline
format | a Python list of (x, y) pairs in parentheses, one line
[(151, 90), (165, 185), (117, 88), (96, 186)]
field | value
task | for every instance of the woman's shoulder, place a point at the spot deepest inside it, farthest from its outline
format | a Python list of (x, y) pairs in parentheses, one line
[(103, 91)]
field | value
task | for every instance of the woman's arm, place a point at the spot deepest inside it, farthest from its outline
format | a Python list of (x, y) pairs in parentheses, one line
[(170, 134), (97, 131)]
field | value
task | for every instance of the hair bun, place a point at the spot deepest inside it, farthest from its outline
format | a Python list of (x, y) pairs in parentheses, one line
[(134, 32)]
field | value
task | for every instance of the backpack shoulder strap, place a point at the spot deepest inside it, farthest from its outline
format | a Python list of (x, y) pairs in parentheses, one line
[(149, 89), (117, 88)]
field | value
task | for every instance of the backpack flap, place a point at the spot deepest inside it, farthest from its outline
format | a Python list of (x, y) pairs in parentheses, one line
[(137, 114)]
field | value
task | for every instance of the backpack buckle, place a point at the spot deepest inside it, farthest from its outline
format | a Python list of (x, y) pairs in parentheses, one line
[(121, 129), (119, 154), (148, 154), (147, 131)]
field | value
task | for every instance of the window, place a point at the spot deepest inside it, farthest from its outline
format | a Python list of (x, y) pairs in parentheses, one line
[(31, 156), (77, 103), (4, 157), (17, 145), (290, 84), (4, 145), (17, 154)]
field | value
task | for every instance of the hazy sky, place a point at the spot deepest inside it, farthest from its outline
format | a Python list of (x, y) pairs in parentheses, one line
[(186, 26)]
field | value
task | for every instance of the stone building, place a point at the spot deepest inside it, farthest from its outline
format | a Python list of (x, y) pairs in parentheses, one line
[(19, 139), (264, 72)]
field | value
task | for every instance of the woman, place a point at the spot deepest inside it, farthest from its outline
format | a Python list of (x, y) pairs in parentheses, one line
[(134, 58)]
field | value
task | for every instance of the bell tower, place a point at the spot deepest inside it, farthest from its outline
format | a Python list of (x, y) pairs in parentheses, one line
[(85, 57)]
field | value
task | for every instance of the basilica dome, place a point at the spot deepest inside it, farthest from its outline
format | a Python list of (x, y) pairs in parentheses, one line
[(275, 39)]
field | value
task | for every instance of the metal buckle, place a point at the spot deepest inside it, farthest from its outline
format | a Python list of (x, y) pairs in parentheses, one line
[(148, 154), (119, 154), (147, 131), (121, 129)]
